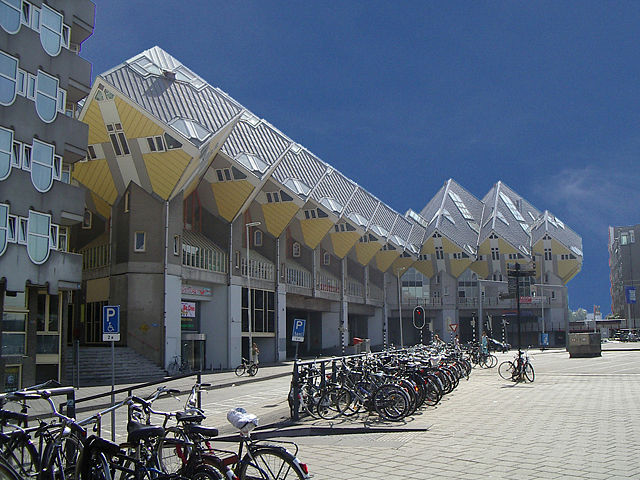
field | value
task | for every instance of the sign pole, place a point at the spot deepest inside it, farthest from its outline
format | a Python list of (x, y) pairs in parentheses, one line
[(113, 389)]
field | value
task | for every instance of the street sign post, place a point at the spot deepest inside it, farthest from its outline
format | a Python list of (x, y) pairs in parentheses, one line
[(111, 323), (111, 333), (297, 335)]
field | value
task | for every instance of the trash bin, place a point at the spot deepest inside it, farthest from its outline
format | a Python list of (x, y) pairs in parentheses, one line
[(583, 345)]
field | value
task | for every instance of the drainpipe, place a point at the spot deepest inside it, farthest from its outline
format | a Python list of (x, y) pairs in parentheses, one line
[(276, 302), (163, 351)]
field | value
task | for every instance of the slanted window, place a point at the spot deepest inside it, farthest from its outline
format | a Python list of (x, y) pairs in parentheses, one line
[(6, 151), (495, 253), (547, 254), (171, 142), (26, 157), (176, 244), (87, 220), (257, 238), (127, 197), (16, 155), (156, 144), (8, 79), (63, 239), (439, 253), (140, 242), (118, 139), (326, 258), (295, 250)]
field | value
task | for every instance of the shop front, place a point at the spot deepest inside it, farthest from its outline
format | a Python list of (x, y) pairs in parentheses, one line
[(193, 349)]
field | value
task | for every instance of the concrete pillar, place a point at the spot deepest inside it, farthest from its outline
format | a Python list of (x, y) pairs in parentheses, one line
[(234, 336)]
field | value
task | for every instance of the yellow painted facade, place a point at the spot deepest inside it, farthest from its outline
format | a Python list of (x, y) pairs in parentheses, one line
[(481, 268), (457, 267), (401, 264), (96, 176), (230, 196), (342, 242), (385, 258), (278, 215), (134, 123), (428, 247), (103, 208), (97, 130), (366, 251), (425, 267), (506, 247), (314, 230), (485, 247), (165, 169), (449, 247)]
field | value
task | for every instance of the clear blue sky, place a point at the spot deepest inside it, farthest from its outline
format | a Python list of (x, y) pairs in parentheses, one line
[(544, 96)]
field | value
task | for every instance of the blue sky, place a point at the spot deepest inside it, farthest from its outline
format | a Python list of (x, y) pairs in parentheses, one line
[(401, 96)]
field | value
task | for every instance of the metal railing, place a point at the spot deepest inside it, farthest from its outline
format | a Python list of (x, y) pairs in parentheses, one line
[(96, 257), (298, 277), (355, 289), (204, 258), (326, 283), (258, 269), (375, 293)]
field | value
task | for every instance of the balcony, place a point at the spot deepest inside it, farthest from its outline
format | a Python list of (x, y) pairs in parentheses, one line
[(355, 289), (375, 293), (258, 269), (297, 277), (200, 253), (327, 283), (95, 257)]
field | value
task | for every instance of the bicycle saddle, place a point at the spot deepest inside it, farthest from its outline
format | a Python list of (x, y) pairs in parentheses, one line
[(140, 431), (200, 430), (190, 417)]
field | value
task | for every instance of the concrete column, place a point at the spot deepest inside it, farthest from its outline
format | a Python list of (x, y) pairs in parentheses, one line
[(281, 322), (234, 338), (172, 326), (385, 313)]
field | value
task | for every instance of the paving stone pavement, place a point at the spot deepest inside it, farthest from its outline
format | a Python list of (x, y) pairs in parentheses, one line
[(579, 419)]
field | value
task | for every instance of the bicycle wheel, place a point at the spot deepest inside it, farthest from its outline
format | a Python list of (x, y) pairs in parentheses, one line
[(391, 402), (22, 456), (253, 369), (96, 469), (240, 369), (8, 473), (270, 463), (60, 457), (529, 374), (505, 369), (205, 472), (329, 406), (173, 450)]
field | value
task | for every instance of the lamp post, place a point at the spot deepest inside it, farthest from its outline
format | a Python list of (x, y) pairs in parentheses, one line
[(248, 227), (400, 305)]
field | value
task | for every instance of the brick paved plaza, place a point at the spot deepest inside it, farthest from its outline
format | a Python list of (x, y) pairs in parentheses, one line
[(579, 419)]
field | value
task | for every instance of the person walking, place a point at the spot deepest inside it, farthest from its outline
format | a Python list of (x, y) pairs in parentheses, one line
[(255, 351)]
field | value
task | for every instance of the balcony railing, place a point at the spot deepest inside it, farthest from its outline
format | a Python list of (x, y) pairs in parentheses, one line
[(198, 252), (355, 289), (258, 269), (326, 283), (298, 277), (98, 256), (375, 293)]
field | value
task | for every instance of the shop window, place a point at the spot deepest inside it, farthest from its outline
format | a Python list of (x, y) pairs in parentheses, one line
[(48, 324), (189, 317), (12, 378), (263, 311), (14, 324)]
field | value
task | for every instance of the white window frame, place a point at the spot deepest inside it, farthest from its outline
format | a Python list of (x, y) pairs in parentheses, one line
[(117, 137), (8, 152), (326, 258), (87, 220), (55, 98), (296, 250), (176, 244), (144, 241), (257, 237), (12, 229), (12, 79)]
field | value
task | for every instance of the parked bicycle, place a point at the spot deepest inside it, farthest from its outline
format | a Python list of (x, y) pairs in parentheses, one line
[(178, 366), (250, 368), (518, 370)]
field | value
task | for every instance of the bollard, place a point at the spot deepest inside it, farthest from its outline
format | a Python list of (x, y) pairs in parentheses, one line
[(199, 380), (295, 383)]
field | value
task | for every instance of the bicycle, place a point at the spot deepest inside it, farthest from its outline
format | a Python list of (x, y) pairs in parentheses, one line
[(248, 367), (520, 370), (178, 366)]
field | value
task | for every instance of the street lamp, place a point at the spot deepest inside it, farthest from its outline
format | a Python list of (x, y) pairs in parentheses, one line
[(248, 227), (400, 304)]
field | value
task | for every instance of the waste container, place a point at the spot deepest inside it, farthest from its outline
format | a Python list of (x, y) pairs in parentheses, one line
[(583, 345)]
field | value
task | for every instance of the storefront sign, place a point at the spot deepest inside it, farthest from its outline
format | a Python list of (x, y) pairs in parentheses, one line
[(198, 291), (188, 310)]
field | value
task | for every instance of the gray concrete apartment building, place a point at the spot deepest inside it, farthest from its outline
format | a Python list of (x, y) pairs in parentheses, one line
[(42, 80), (624, 265)]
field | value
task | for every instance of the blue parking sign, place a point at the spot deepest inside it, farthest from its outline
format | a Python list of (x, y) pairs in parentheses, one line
[(630, 293), (111, 323), (298, 330)]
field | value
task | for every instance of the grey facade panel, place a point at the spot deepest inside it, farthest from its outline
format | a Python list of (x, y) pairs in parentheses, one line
[(302, 166), (263, 141)]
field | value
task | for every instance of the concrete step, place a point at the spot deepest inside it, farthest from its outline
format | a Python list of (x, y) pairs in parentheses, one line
[(95, 367)]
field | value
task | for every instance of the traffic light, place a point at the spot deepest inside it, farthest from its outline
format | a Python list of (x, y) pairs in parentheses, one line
[(418, 317)]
